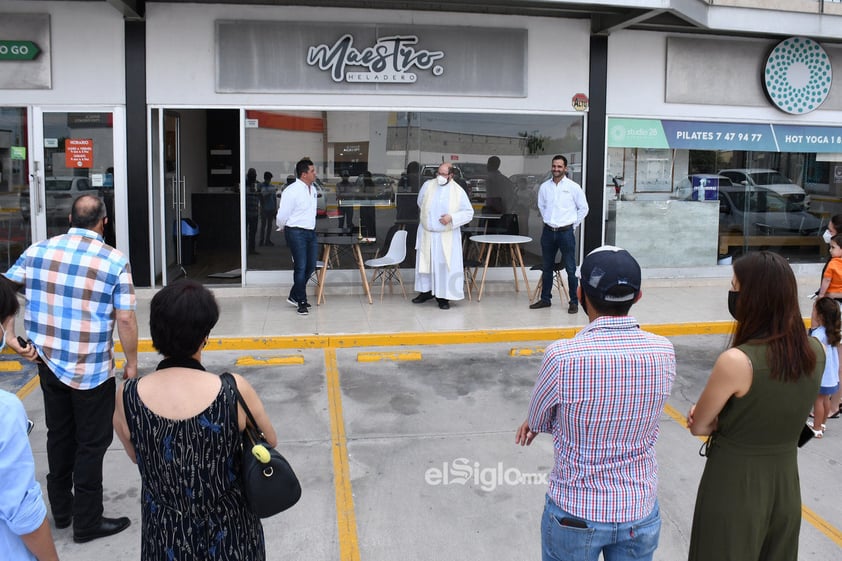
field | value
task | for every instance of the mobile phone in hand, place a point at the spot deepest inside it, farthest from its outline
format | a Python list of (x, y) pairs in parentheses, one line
[(22, 342)]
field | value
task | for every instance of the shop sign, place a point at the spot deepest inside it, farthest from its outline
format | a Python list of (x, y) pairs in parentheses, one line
[(797, 75), (25, 61), (18, 50), (389, 59), (18, 152), (343, 58), (78, 153), (698, 135), (580, 102)]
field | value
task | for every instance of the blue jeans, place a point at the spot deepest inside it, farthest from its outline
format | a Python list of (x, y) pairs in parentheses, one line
[(552, 242), (626, 541), (302, 244)]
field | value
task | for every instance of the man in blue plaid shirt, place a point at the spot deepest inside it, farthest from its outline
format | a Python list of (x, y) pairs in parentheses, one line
[(601, 395), (77, 288)]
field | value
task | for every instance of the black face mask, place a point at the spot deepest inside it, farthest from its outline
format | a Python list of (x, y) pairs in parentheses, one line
[(732, 302)]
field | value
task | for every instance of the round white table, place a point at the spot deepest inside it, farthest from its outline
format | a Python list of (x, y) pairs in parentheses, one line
[(513, 243)]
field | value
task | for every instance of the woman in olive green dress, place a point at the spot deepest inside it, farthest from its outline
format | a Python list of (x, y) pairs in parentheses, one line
[(755, 403)]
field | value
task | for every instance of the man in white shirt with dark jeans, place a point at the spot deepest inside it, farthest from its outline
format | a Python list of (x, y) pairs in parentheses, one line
[(297, 218), (563, 206)]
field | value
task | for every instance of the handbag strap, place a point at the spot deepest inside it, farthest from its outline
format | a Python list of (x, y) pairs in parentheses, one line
[(229, 381)]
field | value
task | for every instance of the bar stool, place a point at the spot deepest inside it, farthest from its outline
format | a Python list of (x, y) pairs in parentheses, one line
[(558, 281)]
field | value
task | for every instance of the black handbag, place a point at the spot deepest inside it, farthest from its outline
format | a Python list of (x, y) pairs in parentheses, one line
[(269, 483)]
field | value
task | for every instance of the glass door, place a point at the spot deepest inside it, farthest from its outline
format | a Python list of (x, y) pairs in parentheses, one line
[(77, 153), (15, 233)]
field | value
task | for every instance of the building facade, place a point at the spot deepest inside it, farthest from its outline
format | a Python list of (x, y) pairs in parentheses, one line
[(698, 132)]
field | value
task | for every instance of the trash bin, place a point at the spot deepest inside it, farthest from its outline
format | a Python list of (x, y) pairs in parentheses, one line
[(189, 232)]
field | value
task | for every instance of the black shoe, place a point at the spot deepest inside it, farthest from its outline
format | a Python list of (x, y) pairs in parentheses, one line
[(539, 304), (573, 308), (302, 309), (270, 244), (62, 522), (443, 303), (106, 527), (422, 297)]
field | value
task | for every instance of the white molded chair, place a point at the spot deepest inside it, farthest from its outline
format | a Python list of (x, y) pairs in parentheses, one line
[(387, 268)]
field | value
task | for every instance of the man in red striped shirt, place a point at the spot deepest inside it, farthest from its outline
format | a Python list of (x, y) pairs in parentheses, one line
[(601, 395)]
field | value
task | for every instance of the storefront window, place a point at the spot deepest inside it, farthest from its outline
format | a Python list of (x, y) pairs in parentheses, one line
[(696, 194), (14, 184), (371, 165)]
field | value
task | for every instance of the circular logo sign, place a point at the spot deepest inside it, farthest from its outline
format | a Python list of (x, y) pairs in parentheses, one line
[(797, 75), (580, 102)]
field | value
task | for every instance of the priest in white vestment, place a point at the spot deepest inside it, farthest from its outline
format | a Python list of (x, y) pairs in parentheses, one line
[(445, 207)]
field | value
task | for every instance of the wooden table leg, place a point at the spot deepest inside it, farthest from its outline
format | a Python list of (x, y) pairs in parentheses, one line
[(320, 291), (486, 248), (513, 258), (519, 256), (359, 257)]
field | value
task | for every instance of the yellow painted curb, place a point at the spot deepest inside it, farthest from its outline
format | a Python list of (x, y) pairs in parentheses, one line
[(377, 357), (10, 366), (28, 387)]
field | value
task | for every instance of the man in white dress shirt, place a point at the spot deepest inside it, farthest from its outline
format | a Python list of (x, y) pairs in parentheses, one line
[(297, 218), (438, 260), (563, 206)]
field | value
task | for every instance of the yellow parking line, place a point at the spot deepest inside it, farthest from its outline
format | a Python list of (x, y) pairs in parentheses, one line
[(377, 357), (807, 514), (272, 361), (28, 387), (346, 520), (10, 366)]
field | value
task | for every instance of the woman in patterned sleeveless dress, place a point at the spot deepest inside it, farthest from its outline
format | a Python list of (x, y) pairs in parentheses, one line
[(183, 432), (748, 507)]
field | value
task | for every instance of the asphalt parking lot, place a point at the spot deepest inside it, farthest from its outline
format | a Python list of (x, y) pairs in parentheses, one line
[(408, 453)]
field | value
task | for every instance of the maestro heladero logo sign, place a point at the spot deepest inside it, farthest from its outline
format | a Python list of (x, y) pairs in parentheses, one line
[(389, 60)]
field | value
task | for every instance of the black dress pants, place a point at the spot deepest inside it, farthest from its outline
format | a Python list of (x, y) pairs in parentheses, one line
[(79, 431)]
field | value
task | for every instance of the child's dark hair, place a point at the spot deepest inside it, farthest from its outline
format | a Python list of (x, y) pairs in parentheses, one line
[(838, 239), (828, 310)]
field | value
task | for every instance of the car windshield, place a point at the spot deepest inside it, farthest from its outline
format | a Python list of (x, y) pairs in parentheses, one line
[(769, 178), (58, 184), (471, 170), (759, 201)]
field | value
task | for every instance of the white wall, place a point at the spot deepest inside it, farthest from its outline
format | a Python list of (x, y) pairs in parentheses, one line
[(88, 65), (557, 52), (637, 82)]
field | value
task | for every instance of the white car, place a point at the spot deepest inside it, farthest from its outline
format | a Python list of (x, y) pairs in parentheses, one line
[(61, 191), (770, 179)]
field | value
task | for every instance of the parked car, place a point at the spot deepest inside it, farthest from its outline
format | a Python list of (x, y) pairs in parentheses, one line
[(60, 193), (475, 174), (321, 201), (384, 186), (770, 179), (685, 187), (762, 211)]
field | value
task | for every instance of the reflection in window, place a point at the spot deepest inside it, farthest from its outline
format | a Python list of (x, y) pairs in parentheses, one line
[(371, 165)]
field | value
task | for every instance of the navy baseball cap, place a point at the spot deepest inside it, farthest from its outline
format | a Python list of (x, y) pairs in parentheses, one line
[(606, 271)]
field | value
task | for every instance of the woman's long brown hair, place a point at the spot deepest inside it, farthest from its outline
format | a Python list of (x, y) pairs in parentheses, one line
[(767, 312)]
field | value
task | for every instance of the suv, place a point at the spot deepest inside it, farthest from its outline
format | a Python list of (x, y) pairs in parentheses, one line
[(770, 179), (61, 191)]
